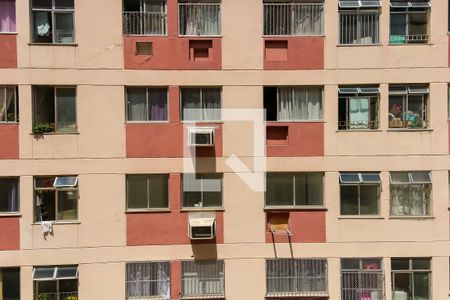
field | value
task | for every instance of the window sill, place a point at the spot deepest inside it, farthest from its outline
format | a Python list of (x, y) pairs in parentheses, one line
[(358, 45), (200, 36), (140, 211), (359, 130), (9, 33), (291, 36), (294, 208), (293, 121), (56, 133), (59, 223), (188, 209), (360, 218), (202, 122), (12, 214), (411, 44), (9, 123), (409, 129), (54, 44), (147, 122), (411, 217), (145, 35)]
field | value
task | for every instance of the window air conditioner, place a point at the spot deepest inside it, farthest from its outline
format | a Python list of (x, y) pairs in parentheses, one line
[(201, 136), (202, 228)]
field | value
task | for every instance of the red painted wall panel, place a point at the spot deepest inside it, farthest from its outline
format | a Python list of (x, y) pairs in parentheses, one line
[(304, 139), (8, 51), (166, 228), (304, 53), (308, 226), (9, 135), (10, 237)]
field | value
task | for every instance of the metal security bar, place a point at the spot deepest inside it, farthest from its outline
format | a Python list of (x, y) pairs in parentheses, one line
[(199, 19), (293, 19), (296, 277), (148, 280), (362, 279), (359, 27), (144, 23), (202, 279)]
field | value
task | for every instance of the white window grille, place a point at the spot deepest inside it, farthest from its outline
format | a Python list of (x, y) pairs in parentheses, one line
[(358, 108), (202, 279), (362, 278), (293, 19), (410, 193), (9, 106), (359, 22), (409, 22), (199, 19), (146, 280), (296, 277), (408, 106), (145, 17)]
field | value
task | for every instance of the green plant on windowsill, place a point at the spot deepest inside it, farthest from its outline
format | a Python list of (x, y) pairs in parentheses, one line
[(43, 128)]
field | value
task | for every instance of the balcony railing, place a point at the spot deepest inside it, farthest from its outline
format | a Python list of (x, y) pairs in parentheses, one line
[(199, 19), (409, 39), (293, 19), (57, 296), (144, 23)]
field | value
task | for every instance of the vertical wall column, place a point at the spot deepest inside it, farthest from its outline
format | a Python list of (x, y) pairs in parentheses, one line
[(172, 18)]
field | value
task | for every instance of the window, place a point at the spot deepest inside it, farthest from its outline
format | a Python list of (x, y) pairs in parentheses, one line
[(296, 277), (293, 103), (10, 283), (147, 192), (362, 278), (7, 15), (448, 105), (56, 282), (199, 19), (410, 193), (9, 195), (408, 106), (56, 198), (202, 190), (201, 104), (54, 109), (144, 48), (147, 280), (360, 193), (292, 18), (294, 189), (9, 106), (358, 107), (202, 279), (53, 21), (409, 21), (145, 17), (411, 278), (146, 104), (359, 22)]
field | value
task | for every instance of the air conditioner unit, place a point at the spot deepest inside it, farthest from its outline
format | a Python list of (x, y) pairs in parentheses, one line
[(201, 136), (202, 228)]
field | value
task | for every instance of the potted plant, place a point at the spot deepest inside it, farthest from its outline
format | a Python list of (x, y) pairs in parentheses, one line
[(42, 128)]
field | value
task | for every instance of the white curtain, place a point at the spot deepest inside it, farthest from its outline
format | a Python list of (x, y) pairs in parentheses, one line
[(163, 282), (298, 104), (410, 200), (201, 19), (136, 105), (211, 104), (307, 19)]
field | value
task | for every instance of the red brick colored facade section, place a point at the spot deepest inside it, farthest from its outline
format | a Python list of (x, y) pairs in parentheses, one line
[(8, 51), (10, 237), (9, 135)]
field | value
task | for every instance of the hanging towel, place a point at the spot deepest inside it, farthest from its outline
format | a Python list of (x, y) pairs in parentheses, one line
[(47, 227), (42, 24)]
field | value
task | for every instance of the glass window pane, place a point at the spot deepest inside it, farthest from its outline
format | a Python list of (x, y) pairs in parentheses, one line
[(421, 177), (421, 264), (64, 32), (44, 182), (67, 205), (11, 105), (42, 3), (45, 205), (398, 24), (212, 199), (69, 288), (42, 27), (349, 200), (66, 272), (65, 181), (418, 23), (211, 104), (279, 189), (308, 189), (369, 199), (136, 104), (349, 177), (399, 178), (8, 16), (137, 191), (421, 286), (11, 283), (192, 199), (402, 288), (396, 109), (190, 104), (159, 191), (415, 116), (45, 289), (157, 104), (400, 264), (43, 273), (65, 110), (64, 4), (371, 177), (44, 105), (9, 195)]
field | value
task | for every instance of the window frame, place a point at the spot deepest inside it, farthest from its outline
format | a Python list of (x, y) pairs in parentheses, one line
[(14, 23), (17, 183), (411, 271), (154, 264), (182, 3), (202, 207), (374, 98), (55, 89), (294, 200), (53, 11), (147, 88), (36, 190), (405, 94), (55, 279), (406, 11), (148, 176), (361, 182), (219, 263), (142, 4), (358, 12), (360, 271), (297, 89), (201, 102), (3, 89)]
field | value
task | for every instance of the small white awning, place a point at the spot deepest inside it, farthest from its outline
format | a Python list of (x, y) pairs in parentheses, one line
[(201, 222)]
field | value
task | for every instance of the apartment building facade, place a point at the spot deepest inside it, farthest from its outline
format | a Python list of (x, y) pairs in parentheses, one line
[(132, 165)]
